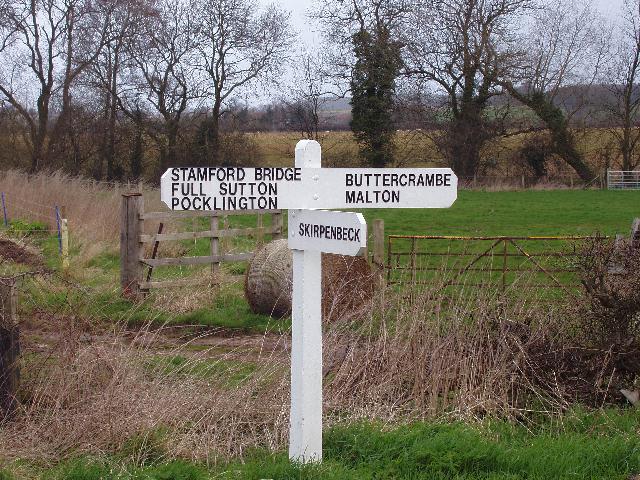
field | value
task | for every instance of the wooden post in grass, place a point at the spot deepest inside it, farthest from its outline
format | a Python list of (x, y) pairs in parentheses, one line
[(4, 210), (260, 225), (64, 237), (9, 350), (225, 241), (635, 233), (215, 246), (131, 227), (277, 223), (378, 249)]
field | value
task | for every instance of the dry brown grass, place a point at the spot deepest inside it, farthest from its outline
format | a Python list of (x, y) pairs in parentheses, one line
[(463, 357), (92, 390), (101, 395), (92, 208)]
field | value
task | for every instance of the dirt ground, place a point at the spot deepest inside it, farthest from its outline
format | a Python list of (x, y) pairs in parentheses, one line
[(12, 251)]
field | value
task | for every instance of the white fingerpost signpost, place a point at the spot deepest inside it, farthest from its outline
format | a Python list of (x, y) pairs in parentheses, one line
[(305, 421), (305, 189)]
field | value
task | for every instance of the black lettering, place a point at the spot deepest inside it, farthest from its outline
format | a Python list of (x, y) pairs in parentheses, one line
[(350, 196)]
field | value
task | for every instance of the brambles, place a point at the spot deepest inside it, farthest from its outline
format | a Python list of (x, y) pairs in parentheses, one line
[(610, 273)]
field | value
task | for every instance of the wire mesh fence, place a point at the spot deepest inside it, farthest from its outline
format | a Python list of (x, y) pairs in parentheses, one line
[(541, 267)]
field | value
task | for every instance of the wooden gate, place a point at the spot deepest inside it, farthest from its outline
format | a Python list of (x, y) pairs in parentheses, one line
[(133, 238)]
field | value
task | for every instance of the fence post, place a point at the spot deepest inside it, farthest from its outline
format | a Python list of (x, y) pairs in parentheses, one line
[(277, 222), (215, 245), (4, 211), (224, 240), (524, 184), (413, 261), (131, 227), (260, 225), (9, 350), (378, 248), (504, 266), (61, 214), (65, 244)]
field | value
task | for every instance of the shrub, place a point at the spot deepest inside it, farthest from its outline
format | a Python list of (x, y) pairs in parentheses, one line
[(24, 228)]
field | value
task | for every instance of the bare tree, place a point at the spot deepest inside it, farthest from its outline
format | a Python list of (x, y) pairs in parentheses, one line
[(462, 47), (622, 78), (561, 48), (123, 20), (308, 92), (239, 45), (163, 55), (43, 50)]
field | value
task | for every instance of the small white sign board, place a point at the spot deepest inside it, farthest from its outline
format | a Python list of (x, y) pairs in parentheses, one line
[(344, 233), (271, 188)]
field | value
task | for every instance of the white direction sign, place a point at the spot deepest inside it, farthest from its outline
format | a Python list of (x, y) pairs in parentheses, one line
[(303, 189), (271, 188), (344, 233)]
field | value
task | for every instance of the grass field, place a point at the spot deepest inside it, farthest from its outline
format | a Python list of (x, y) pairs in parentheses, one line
[(519, 213), (601, 445), (475, 213)]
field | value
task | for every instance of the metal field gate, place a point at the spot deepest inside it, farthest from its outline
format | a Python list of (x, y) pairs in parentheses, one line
[(534, 266), (623, 179)]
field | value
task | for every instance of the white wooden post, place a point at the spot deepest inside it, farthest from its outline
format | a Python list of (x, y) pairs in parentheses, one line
[(65, 244), (305, 431)]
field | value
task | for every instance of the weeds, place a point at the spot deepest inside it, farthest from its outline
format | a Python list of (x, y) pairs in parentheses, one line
[(468, 357)]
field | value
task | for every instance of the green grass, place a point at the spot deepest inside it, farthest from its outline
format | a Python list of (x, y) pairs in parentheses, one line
[(507, 213), (519, 213), (581, 445), (229, 373), (227, 310)]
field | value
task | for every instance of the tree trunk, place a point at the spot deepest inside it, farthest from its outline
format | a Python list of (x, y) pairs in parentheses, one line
[(40, 135), (625, 144), (110, 150), (214, 137), (464, 141), (36, 154), (172, 140), (554, 119)]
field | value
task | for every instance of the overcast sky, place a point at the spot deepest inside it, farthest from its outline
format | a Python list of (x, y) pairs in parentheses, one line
[(298, 8), (610, 9)]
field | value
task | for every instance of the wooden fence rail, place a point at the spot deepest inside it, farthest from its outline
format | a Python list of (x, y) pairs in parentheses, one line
[(133, 239)]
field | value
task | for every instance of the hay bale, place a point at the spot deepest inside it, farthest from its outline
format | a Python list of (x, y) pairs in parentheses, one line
[(267, 283), (347, 282)]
